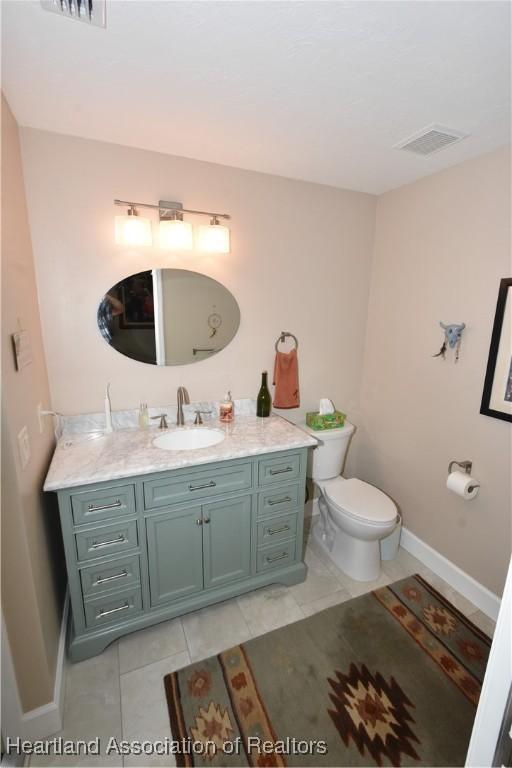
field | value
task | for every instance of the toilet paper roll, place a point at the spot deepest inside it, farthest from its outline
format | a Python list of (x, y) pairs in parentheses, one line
[(462, 484)]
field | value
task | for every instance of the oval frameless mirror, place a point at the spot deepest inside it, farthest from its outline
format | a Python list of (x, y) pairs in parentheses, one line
[(168, 317)]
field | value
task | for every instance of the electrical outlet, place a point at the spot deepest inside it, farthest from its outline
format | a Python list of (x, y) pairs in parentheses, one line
[(24, 447), (40, 418)]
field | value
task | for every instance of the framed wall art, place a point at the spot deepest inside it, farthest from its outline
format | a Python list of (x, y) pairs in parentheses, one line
[(497, 394)]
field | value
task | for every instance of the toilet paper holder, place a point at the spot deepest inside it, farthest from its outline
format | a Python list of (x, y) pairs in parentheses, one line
[(467, 466)]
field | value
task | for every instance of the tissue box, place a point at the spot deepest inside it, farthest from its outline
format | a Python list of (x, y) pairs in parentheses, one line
[(327, 421)]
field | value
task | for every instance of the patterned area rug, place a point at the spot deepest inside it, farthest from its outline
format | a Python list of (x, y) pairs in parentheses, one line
[(389, 678)]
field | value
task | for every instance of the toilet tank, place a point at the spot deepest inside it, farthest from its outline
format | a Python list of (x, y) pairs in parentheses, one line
[(327, 459)]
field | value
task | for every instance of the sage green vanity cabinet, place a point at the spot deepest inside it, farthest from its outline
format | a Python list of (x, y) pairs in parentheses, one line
[(175, 555), (141, 550), (227, 541), (196, 484)]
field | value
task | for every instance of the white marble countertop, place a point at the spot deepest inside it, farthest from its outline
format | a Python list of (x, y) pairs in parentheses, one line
[(95, 457)]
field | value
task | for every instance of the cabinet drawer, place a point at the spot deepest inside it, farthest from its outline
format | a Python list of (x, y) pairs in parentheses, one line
[(279, 499), (90, 506), (116, 574), (111, 609), (275, 557), (279, 469), (196, 485), (107, 540), (277, 528)]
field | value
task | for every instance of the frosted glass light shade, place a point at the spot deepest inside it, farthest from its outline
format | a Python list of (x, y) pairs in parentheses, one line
[(175, 235), (213, 238), (133, 230)]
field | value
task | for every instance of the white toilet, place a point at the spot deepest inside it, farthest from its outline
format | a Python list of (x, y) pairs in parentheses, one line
[(354, 515)]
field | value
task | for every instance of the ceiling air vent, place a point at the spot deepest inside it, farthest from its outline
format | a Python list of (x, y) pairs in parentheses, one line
[(90, 11), (432, 139)]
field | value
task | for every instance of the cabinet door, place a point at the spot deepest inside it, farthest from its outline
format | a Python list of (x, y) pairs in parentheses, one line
[(227, 541), (175, 555)]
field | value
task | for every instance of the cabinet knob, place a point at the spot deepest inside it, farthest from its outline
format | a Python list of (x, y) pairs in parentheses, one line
[(199, 521), (206, 520)]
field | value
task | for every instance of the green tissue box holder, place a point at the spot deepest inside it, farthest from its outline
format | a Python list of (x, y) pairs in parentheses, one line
[(327, 421)]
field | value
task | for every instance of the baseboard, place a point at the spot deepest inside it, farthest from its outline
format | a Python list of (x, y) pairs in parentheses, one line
[(42, 722), (483, 598), (46, 720)]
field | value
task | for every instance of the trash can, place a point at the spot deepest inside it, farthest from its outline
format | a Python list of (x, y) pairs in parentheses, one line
[(390, 544)]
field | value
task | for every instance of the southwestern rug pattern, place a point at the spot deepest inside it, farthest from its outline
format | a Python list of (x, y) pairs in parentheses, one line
[(389, 678)]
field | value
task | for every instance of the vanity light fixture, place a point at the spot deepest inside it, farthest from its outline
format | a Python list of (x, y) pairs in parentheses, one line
[(133, 229), (175, 233), (213, 238)]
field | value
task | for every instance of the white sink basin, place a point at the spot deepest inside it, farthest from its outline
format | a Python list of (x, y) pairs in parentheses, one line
[(189, 439)]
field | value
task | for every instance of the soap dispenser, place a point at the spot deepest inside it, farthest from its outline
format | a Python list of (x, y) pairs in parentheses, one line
[(227, 409)]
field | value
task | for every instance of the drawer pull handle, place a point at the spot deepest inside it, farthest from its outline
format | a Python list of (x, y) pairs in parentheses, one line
[(277, 557), (272, 531), (211, 484), (104, 579), (281, 471), (123, 607), (284, 500), (117, 503), (110, 543)]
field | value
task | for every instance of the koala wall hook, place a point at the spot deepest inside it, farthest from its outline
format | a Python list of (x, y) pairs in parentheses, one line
[(452, 338)]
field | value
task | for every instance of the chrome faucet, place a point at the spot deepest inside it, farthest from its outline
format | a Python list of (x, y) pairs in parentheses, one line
[(182, 399)]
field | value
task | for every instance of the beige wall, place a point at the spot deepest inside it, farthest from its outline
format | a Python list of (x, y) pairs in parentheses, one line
[(32, 578), (441, 247), (300, 261)]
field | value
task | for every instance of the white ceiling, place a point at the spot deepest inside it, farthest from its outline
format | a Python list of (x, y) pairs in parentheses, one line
[(310, 90)]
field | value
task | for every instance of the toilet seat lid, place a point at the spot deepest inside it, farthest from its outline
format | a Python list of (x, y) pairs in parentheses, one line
[(361, 500)]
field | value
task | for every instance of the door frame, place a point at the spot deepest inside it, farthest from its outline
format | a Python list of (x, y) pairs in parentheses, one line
[(495, 688)]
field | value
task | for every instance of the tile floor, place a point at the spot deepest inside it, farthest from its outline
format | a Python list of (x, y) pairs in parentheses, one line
[(120, 693)]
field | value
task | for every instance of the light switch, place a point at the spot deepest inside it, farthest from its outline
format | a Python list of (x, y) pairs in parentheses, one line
[(24, 447)]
